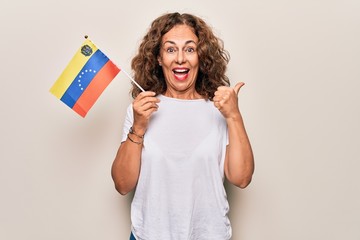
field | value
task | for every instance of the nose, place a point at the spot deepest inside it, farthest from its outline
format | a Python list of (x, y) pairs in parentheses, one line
[(180, 58)]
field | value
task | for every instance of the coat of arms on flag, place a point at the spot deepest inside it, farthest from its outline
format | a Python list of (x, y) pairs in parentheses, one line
[(87, 75)]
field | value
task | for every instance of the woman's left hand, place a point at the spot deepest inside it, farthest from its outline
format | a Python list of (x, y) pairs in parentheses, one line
[(239, 159), (226, 100)]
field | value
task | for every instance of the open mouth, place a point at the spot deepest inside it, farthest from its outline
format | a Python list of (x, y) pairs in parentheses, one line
[(181, 73)]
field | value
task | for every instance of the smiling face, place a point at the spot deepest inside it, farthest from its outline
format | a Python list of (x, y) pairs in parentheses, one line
[(180, 62)]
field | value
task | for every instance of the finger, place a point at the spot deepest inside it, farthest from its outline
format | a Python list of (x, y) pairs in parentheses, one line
[(217, 98), (138, 103), (145, 94), (148, 106), (146, 114), (238, 86), (217, 93), (224, 96), (151, 110), (149, 99), (222, 88)]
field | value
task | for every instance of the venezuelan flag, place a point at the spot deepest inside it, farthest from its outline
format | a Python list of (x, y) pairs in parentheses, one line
[(87, 75)]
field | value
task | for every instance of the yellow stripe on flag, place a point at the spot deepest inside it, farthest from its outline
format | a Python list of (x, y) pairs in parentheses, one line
[(72, 70)]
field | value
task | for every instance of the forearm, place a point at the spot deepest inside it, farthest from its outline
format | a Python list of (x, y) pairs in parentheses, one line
[(239, 164), (126, 167)]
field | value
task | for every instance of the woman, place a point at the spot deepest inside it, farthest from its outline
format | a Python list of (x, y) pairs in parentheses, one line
[(182, 135)]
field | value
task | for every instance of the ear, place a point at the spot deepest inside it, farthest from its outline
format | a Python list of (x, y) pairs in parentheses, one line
[(159, 60)]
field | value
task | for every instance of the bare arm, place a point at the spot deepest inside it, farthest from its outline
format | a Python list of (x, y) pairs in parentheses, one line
[(239, 161), (126, 166)]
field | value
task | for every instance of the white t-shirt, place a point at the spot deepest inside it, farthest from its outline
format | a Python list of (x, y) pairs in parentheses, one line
[(180, 193)]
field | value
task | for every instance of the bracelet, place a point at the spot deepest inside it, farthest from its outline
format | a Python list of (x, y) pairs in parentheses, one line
[(131, 131), (138, 143)]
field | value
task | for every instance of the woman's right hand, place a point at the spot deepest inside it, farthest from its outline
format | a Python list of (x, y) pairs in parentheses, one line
[(126, 167), (143, 106)]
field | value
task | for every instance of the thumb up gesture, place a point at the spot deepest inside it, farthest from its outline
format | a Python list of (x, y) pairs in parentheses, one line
[(226, 100)]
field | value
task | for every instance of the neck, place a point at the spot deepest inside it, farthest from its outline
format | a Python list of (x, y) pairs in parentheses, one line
[(183, 95)]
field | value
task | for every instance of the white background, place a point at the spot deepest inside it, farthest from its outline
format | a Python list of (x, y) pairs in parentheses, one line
[(300, 61)]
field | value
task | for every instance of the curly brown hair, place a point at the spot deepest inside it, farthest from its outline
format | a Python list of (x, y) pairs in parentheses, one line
[(213, 58)]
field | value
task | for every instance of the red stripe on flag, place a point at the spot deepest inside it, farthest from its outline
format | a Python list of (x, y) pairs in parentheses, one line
[(95, 88)]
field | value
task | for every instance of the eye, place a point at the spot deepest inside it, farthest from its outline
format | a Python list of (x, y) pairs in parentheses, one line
[(190, 50), (170, 50)]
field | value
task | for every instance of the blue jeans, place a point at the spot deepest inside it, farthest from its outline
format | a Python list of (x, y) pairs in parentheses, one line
[(132, 237)]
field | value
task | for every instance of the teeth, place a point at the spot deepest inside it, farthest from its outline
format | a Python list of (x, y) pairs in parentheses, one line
[(180, 70)]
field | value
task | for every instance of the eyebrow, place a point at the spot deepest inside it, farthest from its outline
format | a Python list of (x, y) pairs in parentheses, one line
[(187, 42)]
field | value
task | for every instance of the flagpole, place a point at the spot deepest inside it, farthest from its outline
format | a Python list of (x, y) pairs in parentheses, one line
[(121, 70)]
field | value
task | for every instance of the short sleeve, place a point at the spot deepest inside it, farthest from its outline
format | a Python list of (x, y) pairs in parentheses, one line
[(129, 119), (225, 143)]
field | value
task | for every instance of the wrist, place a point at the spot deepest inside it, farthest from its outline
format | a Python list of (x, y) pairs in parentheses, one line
[(135, 137), (140, 131), (136, 133), (236, 117)]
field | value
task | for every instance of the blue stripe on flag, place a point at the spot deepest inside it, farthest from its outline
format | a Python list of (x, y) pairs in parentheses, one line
[(84, 77)]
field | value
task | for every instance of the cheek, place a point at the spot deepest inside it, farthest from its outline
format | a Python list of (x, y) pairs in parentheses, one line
[(167, 72), (194, 62), (166, 60)]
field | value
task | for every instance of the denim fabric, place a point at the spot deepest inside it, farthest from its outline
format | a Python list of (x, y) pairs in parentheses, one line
[(132, 237)]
